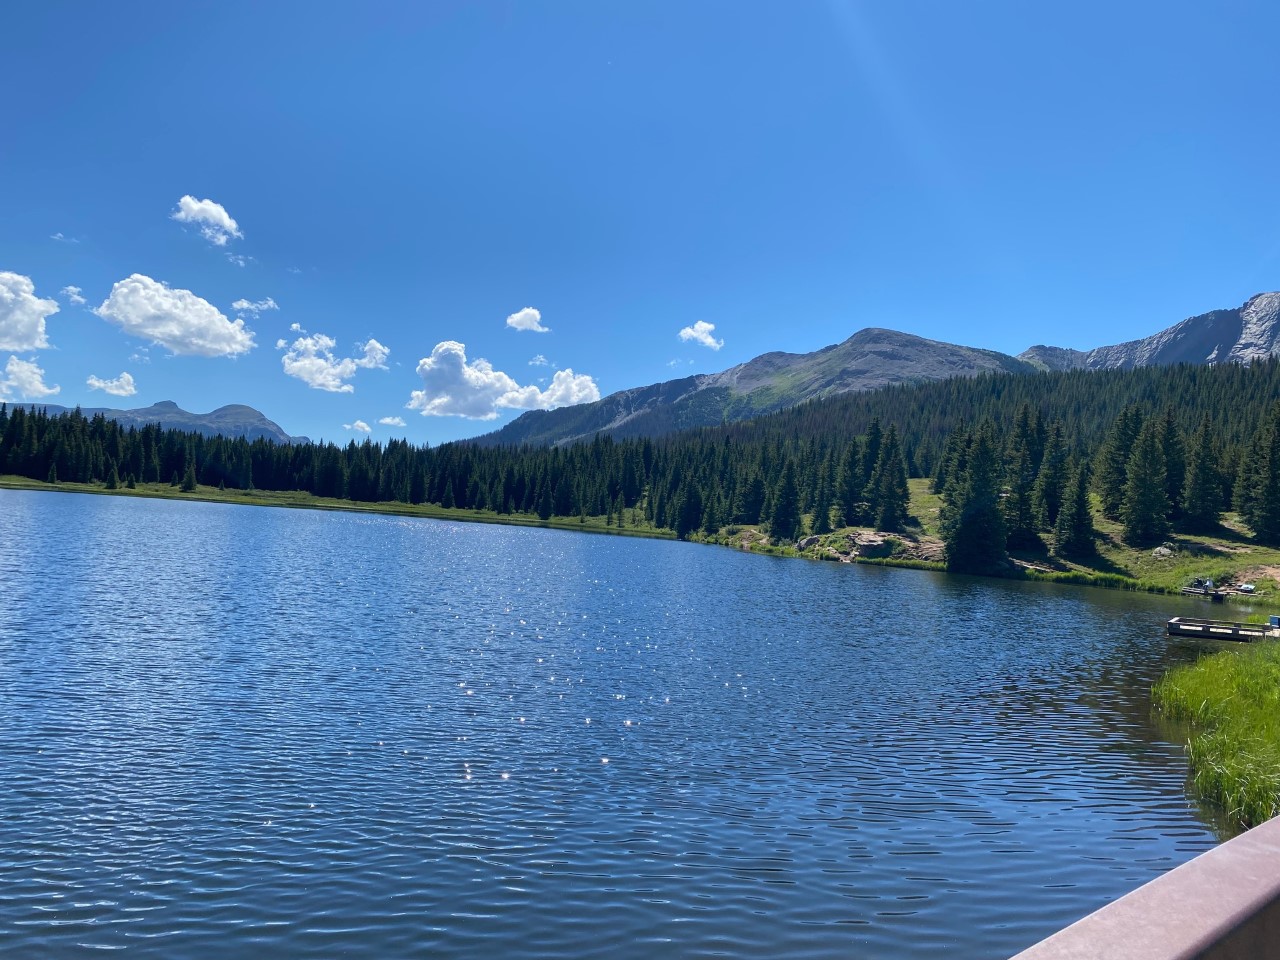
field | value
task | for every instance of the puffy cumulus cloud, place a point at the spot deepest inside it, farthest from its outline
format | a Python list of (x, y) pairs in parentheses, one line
[(26, 380), (359, 426), (567, 389), (121, 386), (456, 387), (22, 313), (311, 360), (74, 294), (176, 319), (216, 225), (393, 422), (255, 307), (539, 361), (527, 319), (701, 332)]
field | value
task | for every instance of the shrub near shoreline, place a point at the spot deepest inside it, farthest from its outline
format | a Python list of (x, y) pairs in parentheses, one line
[(1232, 702)]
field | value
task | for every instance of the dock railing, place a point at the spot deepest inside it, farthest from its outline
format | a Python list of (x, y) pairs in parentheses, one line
[(1223, 905), (1219, 629)]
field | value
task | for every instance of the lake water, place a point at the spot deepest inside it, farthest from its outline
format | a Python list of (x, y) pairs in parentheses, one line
[(234, 731)]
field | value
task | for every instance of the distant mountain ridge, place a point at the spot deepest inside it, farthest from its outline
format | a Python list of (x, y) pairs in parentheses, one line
[(1247, 333), (233, 420), (875, 358), (868, 360)]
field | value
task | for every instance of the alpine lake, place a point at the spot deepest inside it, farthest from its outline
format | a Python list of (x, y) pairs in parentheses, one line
[(240, 731)]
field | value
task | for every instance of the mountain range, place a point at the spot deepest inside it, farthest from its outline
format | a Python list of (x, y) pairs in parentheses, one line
[(868, 360), (234, 420), (874, 358)]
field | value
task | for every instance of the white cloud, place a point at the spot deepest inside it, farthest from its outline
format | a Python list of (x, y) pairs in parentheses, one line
[(74, 294), (121, 386), (296, 328), (176, 319), (216, 225), (239, 259), (255, 306), (454, 387), (393, 422), (61, 239), (359, 426), (539, 361), (700, 332), (25, 379), (22, 313), (311, 360), (527, 319)]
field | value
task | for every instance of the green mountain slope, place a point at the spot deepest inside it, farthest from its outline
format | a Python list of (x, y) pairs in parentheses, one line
[(868, 360)]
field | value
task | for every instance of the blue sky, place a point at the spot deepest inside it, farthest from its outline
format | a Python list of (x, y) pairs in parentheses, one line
[(387, 184)]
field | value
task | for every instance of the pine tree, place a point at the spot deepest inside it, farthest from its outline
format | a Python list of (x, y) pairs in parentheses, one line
[(1051, 481), (1260, 481), (1111, 475), (888, 486), (971, 522), (53, 473), (710, 516), (113, 478), (189, 478), (689, 512), (954, 460), (1145, 512), (850, 484), (545, 502), (822, 510), (752, 500), (1019, 513), (1073, 532), (1174, 447), (784, 524), (1202, 501), (870, 455)]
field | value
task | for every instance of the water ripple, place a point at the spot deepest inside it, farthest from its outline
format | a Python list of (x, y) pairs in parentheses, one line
[(233, 730)]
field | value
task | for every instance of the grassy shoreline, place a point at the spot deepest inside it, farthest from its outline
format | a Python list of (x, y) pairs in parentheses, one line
[(1231, 701), (919, 549)]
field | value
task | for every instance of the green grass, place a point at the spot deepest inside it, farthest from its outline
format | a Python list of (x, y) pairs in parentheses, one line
[(1232, 702)]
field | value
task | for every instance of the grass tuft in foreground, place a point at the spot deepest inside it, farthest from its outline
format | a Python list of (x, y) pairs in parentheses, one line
[(1232, 702)]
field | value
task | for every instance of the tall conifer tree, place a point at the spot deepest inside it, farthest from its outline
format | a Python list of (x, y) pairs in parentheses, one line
[(1051, 482), (1145, 512), (1202, 501), (888, 486), (784, 524), (1073, 532), (972, 524), (1111, 475)]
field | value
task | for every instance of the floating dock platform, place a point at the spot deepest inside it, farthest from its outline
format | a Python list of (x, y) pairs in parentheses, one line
[(1213, 596), (1221, 630)]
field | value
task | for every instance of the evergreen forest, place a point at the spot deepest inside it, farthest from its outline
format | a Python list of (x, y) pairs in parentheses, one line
[(1021, 461)]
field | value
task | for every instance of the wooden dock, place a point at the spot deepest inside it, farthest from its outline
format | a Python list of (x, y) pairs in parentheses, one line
[(1221, 630), (1213, 596)]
